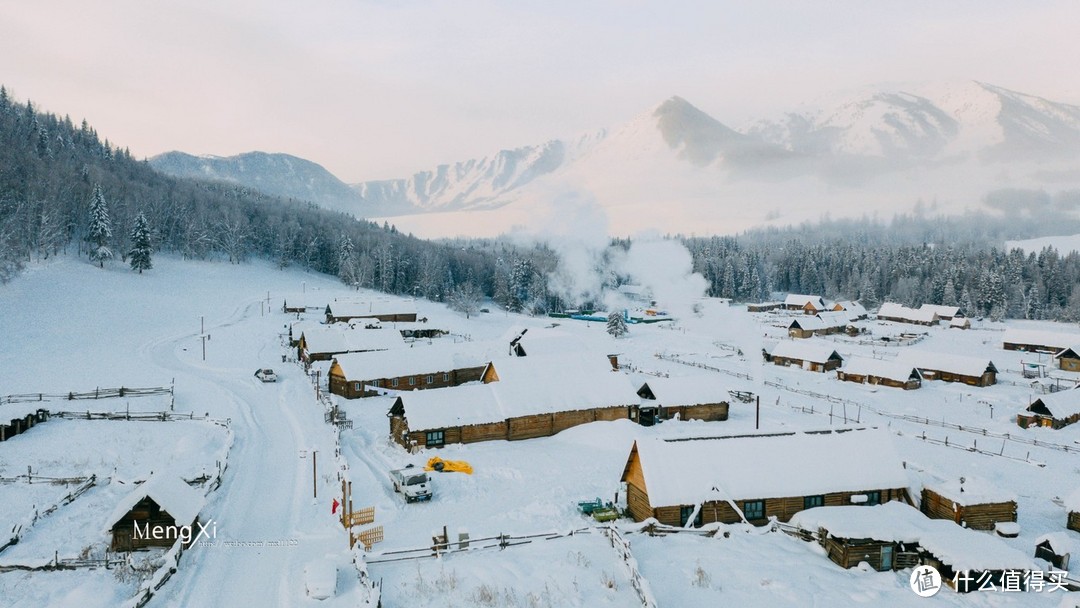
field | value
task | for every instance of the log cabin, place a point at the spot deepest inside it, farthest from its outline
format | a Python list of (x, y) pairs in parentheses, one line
[(1036, 341), (960, 323), (1057, 548), (355, 375), (810, 355), (165, 504), (973, 371), (896, 536), (1069, 359), (383, 309), (855, 310), (879, 372), (821, 324), (972, 503), (688, 398), (810, 305), (1072, 508), (756, 477), (524, 399), (945, 313), (891, 311), (1056, 410), (327, 341), (764, 306)]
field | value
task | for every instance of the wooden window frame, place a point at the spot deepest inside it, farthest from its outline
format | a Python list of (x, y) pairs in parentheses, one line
[(759, 512), (435, 439)]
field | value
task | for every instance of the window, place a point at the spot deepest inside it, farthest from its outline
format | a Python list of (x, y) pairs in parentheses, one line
[(873, 498), (376, 383), (446, 377), (435, 439), (412, 380), (754, 509), (431, 379), (394, 382), (684, 516), (809, 502), (357, 386)]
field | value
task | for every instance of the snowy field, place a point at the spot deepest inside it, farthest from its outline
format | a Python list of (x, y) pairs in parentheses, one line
[(81, 327)]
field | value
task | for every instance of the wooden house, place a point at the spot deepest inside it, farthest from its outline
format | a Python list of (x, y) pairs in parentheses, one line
[(354, 375), (1035, 341), (821, 324), (891, 311), (1057, 548), (764, 306), (896, 536), (973, 371), (945, 313), (809, 355), (1055, 410), (810, 305), (855, 310), (157, 513), (327, 341), (972, 503), (687, 398), (383, 309), (755, 477), (960, 323), (1069, 359), (1072, 507), (523, 400), (896, 374)]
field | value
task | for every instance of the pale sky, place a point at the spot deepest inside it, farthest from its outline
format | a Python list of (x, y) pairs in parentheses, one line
[(375, 90)]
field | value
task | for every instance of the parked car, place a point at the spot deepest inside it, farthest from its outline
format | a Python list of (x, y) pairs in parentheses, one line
[(266, 375), (412, 482), (320, 579)]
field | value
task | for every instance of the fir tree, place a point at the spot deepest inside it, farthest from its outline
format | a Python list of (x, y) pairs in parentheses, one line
[(99, 231), (616, 324), (140, 245), (347, 261)]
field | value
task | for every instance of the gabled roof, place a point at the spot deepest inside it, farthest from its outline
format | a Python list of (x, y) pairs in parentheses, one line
[(856, 309), (1057, 405), (1053, 339), (945, 312), (805, 350), (893, 310), (954, 364), (960, 548), (1072, 352), (687, 390), (973, 491), (801, 300), (748, 467), (415, 360), (959, 322), (337, 339), (171, 493), (370, 308), (890, 370), (526, 386), (543, 341)]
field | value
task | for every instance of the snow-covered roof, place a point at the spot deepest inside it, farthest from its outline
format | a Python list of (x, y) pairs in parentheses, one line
[(1053, 339), (417, 359), (525, 387), (804, 350), (944, 362), (542, 341), (1061, 542), (973, 491), (171, 493), (688, 390), (890, 370), (945, 312), (366, 308), (336, 339), (959, 322), (960, 548), (801, 300), (688, 472), (898, 311), (854, 308), (1061, 404)]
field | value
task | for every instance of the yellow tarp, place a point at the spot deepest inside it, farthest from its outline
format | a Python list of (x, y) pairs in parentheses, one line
[(456, 466)]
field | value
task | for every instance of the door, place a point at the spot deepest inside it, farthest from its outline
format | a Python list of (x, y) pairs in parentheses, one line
[(886, 558)]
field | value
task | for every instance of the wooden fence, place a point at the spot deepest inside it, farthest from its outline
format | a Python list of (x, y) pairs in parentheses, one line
[(637, 581), (85, 484), (97, 393)]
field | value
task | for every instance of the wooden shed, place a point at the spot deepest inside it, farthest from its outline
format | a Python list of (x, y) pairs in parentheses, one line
[(687, 398), (354, 375), (383, 309), (1057, 548), (528, 400), (895, 536), (973, 371), (1056, 410), (810, 355), (896, 374), (1069, 359), (972, 503), (325, 342), (754, 477), (157, 513), (810, 305), (1072, 507)]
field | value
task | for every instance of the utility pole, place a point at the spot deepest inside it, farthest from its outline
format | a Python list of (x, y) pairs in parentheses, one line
[(202, 335), (314, 476), (757, 414)]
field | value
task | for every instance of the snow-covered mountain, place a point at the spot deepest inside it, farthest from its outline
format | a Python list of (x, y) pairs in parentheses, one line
[(277, 174)]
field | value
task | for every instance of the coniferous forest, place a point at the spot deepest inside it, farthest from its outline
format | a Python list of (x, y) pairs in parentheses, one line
[(54, 175)]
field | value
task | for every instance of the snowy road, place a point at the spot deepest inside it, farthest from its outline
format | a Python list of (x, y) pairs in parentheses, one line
[(268, 524)]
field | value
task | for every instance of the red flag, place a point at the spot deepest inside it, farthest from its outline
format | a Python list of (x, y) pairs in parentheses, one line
[(333, 508)]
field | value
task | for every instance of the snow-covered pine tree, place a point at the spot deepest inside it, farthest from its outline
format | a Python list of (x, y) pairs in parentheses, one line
[(140, 245), (616, 324), (347, 261), (99, 231)]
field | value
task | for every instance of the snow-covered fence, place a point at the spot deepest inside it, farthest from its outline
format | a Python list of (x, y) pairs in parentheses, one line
[(97, 393), (974, 447), (159, 578), (637, 581), (681, 361), (140, 417), (502, 541), (85, 483)]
